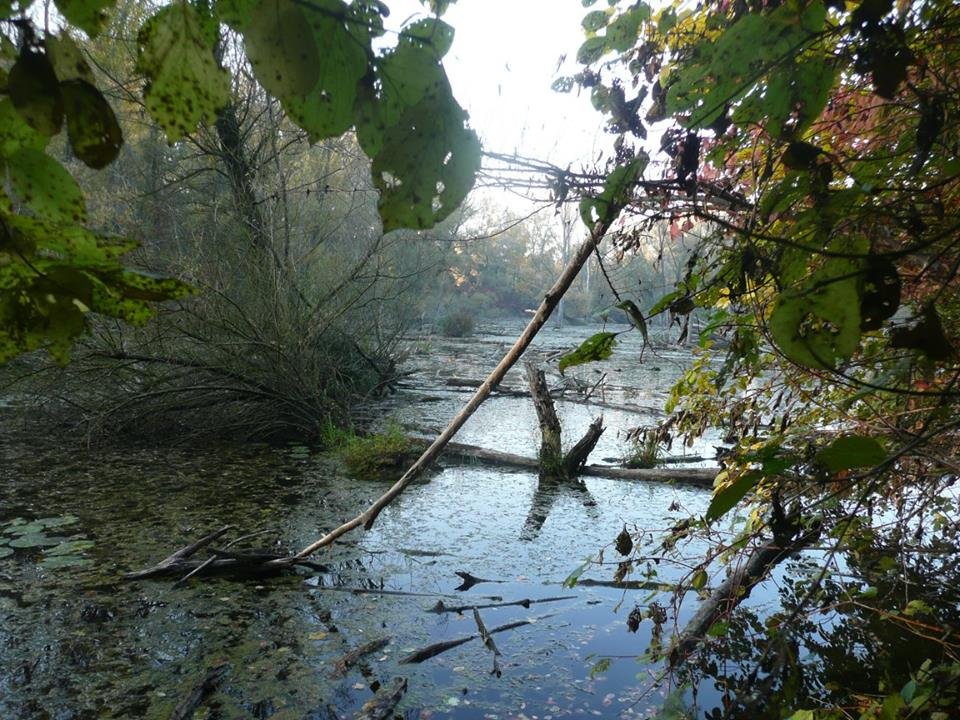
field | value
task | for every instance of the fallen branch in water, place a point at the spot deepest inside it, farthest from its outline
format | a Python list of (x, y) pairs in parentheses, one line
[(176, 559), (736, 588), (539, 319), (440, 607), (488, 643), (206, 685), (381, 705), (425, 653), (348, 660)]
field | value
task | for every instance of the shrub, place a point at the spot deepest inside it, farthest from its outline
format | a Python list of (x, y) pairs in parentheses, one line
[(378, 456), (457, 324)]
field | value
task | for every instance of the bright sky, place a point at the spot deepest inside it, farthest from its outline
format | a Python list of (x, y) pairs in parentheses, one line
[(505, 56)]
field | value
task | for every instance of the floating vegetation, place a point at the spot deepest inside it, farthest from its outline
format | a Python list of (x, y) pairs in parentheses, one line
[(57, 551)]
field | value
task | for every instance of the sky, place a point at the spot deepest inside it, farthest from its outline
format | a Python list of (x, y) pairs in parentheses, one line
[(505, 55)]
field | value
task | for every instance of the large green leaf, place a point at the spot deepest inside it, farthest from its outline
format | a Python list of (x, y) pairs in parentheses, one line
[(726, 497), (425, 158), (15, 133), (34, 90), (852, 451), (92, 128), (596, 347), (67, 59), (281, 48), (426, 164), (185, 85), (44, 186), (818, 323), (88, 15)]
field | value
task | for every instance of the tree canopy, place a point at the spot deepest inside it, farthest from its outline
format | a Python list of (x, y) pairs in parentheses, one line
[(322, 60)]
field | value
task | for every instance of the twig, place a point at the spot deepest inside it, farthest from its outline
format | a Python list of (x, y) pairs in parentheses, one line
[(440, 607), (488, 643), (425, 653)]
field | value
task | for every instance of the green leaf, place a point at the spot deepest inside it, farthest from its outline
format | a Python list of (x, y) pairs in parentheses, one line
[(33, 541), (594, 348), (852, 451), (622, 33), (594, 20), (600, 667), (281, 47), (15, 133), (92, 128), (67, 59), (425, 164), (430, 33), (44, 186), (699, 580), (616, 193), (818, 324), (185, 86), (573, 577), (725, 498), (35, 92), (591, 50), (718, 629), (636, 317), (88, 15)]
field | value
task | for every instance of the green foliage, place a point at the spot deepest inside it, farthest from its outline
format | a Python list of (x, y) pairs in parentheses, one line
[(852, 451), (457, 324), (322, 62), (185, 84), (596, 347), (378, 456)]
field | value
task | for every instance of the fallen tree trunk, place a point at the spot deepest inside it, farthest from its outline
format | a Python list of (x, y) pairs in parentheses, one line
[(736, 588), (697, 476), (539, 319)]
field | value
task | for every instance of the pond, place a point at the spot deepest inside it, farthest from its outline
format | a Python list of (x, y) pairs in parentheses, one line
[(79, 642)]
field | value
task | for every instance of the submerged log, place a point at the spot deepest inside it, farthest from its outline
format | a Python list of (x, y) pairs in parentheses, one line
[(381, 705), (206, 685), (348, 660)]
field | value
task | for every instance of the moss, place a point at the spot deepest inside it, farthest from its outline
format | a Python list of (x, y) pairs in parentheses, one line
[(378, 456)]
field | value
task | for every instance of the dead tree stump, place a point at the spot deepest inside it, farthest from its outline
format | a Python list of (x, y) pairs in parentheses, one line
[(554, 464)]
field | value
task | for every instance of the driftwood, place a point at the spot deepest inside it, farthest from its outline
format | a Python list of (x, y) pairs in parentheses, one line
[(381, 705), (221, 560), (488, 643), (539, 319), (348, 660), (440, 607), (165, 566), (737, 587), (206, 685), (425, 653)]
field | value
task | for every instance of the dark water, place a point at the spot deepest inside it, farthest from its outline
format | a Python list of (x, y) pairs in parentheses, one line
[(81, 643)]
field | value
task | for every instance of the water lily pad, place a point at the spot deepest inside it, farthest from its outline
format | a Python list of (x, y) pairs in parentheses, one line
[(62, 561), (5, 552), (34, 540), (32, 528), (70, 547)]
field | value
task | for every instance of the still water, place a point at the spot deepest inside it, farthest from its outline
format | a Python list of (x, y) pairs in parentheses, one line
[(79, 642)]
